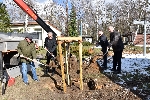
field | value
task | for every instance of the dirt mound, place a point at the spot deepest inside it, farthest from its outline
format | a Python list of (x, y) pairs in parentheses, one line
[(96, 86)]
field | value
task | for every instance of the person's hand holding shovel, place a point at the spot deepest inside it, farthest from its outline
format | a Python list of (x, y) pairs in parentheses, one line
[(34, 60), (21, 56)]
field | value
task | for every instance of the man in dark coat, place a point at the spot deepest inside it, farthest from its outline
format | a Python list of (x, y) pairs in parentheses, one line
[(50, 45), (117, 46), (26, 49), (104, 44)]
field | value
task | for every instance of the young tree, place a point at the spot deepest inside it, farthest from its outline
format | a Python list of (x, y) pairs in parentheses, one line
[(4, 19), (73, 23)]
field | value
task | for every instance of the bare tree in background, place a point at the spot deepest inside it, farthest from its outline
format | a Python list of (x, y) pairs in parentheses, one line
[(95, 14), (91, 13), (51, 11), (124, 12)]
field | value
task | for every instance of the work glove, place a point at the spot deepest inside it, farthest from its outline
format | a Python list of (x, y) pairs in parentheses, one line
[(34, 60), (45, 48), (52, 58), (21, 56)]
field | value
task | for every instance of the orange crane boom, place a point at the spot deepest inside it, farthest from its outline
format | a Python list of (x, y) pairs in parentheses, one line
[(33, 15)]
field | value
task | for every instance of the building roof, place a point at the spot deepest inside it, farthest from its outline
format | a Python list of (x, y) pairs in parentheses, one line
[(32, 22)]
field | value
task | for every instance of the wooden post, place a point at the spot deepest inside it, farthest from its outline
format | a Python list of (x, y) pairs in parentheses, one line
[(79, 39), (69, 64), (62, 67), (69, 55), (80, 58)]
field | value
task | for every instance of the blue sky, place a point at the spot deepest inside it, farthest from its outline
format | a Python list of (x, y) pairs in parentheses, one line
[(60, 0), (37, 0), (45, 0)]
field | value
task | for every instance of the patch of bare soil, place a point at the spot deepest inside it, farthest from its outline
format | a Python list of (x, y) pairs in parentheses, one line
[(96, 86)]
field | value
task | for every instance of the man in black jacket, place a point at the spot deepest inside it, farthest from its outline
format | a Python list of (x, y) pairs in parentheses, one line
[(50, 45), (117, 46), (104, 44)]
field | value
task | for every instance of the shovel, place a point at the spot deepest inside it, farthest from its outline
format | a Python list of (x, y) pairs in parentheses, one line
[(34, 61), (11, 80), (49, 52)]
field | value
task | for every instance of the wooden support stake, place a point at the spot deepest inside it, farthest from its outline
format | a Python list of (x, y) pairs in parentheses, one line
[(62, 67), (69, 65), (80, 58), (66, 64), (69, 52)]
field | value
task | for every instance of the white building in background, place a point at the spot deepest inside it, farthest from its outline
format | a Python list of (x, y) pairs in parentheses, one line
[(87, 38), (33, 26)]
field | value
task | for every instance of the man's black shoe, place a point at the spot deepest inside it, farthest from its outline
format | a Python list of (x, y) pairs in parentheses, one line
[(46, 71), (113, 69), (52, 73), (104, 67), (117, 72)]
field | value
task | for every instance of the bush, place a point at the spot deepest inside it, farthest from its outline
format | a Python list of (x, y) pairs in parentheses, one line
[(85, 50), (86, 43)]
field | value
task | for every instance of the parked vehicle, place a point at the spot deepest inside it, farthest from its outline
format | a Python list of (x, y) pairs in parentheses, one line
[(9, 60)]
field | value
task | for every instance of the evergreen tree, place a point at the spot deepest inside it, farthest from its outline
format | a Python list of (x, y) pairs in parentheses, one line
[(72, 23), (4, 19)]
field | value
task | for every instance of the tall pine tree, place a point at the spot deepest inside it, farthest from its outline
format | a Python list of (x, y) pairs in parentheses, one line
[(72, 23), (4, 19)]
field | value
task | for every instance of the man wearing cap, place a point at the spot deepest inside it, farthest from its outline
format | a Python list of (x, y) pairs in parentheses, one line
[(103, 42), (26, 49), (50, 45)]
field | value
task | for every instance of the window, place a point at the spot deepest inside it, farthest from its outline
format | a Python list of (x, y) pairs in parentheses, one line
[(38, 30)]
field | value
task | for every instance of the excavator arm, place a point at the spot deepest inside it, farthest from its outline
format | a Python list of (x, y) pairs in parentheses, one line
[(33, 15)]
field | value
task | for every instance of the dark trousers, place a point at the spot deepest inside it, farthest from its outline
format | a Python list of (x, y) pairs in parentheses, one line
[(105, 57), (117, 60), (49, 57)]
